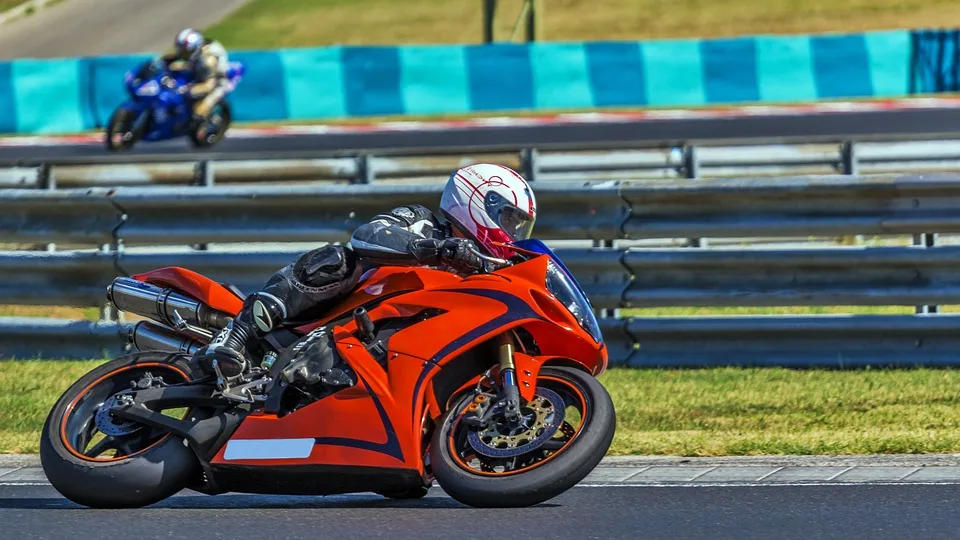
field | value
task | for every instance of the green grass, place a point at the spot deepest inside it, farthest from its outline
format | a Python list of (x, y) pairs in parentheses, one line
[(30, 390), (702, 412), (717, 412), (298, 23), (9, 4)]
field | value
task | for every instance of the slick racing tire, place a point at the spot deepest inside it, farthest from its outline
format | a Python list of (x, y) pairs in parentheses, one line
[(134, 466), (207, 140), (538, 474)]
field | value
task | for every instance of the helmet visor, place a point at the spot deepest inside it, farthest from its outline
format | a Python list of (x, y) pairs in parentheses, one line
[(515, 222)]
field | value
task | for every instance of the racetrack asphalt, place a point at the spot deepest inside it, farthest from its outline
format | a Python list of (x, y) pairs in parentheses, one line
[(860, 125), (635, 512), (840, 497), (97, 27)]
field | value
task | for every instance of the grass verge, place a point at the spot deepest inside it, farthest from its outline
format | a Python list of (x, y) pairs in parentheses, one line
[(303, 23), (703, 412)]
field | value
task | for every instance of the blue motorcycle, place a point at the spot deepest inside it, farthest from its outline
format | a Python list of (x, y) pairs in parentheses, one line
[(159, 108)]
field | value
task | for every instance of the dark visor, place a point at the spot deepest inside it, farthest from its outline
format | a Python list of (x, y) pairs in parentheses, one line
[(515, 222)]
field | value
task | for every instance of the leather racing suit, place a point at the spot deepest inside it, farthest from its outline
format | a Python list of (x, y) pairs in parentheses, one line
[(409, 235), (209, 73)]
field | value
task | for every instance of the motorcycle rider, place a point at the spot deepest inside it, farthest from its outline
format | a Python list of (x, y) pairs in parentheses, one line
[(481, 205), (206, 60)]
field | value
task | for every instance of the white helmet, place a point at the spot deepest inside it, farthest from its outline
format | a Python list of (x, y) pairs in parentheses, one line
[(489, 204)]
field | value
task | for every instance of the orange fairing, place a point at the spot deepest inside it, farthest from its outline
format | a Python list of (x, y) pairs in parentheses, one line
[(198, 286), (379, 422)]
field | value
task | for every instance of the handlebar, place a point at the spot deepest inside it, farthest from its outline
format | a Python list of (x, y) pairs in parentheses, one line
[(486, 258)]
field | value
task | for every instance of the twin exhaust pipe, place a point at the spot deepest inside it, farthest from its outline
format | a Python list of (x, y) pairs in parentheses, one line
[(175, 312)]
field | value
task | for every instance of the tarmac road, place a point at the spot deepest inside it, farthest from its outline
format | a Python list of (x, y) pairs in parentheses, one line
[(634, 512), (635, 498), (928, 123), (97, 27)]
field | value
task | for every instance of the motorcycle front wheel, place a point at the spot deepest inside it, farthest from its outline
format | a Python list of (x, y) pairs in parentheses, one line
[(120, 135), (566, 430), (100, 461)]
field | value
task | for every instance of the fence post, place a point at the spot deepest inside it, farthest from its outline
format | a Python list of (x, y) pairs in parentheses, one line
[(848, 158), (48, 181), (365, 173), (530, 163), (489, 15), (203, 175), (691, 170), (926, 240), (604, 312)]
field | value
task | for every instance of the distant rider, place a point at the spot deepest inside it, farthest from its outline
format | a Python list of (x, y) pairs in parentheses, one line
[(207, 62), (481, 206)]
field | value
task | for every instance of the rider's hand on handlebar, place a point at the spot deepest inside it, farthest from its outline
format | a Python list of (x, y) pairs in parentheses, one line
[(458, 253)]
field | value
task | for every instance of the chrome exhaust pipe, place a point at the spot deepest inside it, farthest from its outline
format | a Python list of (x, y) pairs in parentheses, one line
[(165, 306), (148, 336)]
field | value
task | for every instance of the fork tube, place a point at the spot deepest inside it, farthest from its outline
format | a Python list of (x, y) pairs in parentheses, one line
[(508, 376)]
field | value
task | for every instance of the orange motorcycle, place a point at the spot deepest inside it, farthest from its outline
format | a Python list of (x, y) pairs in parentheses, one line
[(486, 384)]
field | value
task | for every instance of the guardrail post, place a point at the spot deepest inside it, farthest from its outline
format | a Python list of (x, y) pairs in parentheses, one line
[(107, 312), (530, 163), (365, 172), (691, 170), (926, 240), (604, 312), (848, 158), (203, 175), (47, 181)]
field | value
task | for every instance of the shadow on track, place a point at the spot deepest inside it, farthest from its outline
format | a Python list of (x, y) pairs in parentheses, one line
[(243, 501)]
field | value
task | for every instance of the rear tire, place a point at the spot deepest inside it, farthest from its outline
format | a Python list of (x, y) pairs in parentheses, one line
[(147, 476), (538, 483), (209, 140)]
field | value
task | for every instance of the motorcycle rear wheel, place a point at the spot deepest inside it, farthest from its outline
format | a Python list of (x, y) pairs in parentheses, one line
[(222, 112), (541, 473), (129, 465)]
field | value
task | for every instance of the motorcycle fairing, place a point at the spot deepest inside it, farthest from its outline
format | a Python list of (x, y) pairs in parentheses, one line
[(379, 422), (196, 285)]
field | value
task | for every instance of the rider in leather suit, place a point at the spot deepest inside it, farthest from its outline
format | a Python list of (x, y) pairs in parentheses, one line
[(483, 205), (207, 61)]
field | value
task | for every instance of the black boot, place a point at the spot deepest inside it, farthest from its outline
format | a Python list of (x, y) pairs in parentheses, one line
[(260, 314)]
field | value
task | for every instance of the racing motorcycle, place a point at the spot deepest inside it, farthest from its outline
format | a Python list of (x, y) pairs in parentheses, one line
[(486, 384), (158, 109)]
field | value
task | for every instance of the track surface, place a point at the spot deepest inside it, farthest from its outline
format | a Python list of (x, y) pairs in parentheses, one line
[(98, 27), (929, 123), (631, 512)]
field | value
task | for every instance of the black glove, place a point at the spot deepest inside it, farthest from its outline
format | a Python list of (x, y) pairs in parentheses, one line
[(453, 252)]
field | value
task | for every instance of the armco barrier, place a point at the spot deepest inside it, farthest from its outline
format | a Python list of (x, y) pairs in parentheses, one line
[(613, 277), (76, 94)]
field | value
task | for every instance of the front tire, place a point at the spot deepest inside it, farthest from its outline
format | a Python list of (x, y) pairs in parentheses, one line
[(146, 466), (545, 476)]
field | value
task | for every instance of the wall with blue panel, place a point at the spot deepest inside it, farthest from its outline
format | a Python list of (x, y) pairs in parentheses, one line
[(77, 94)]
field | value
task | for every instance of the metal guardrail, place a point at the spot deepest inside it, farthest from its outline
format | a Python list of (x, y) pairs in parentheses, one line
[(391, 165), (614, 277), (770, 207)]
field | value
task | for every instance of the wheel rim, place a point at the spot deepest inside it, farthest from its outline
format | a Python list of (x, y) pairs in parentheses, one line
[(89, 432), (532, 445)]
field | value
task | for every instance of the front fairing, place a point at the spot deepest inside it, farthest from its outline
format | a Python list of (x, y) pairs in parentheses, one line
[(562, 284)]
